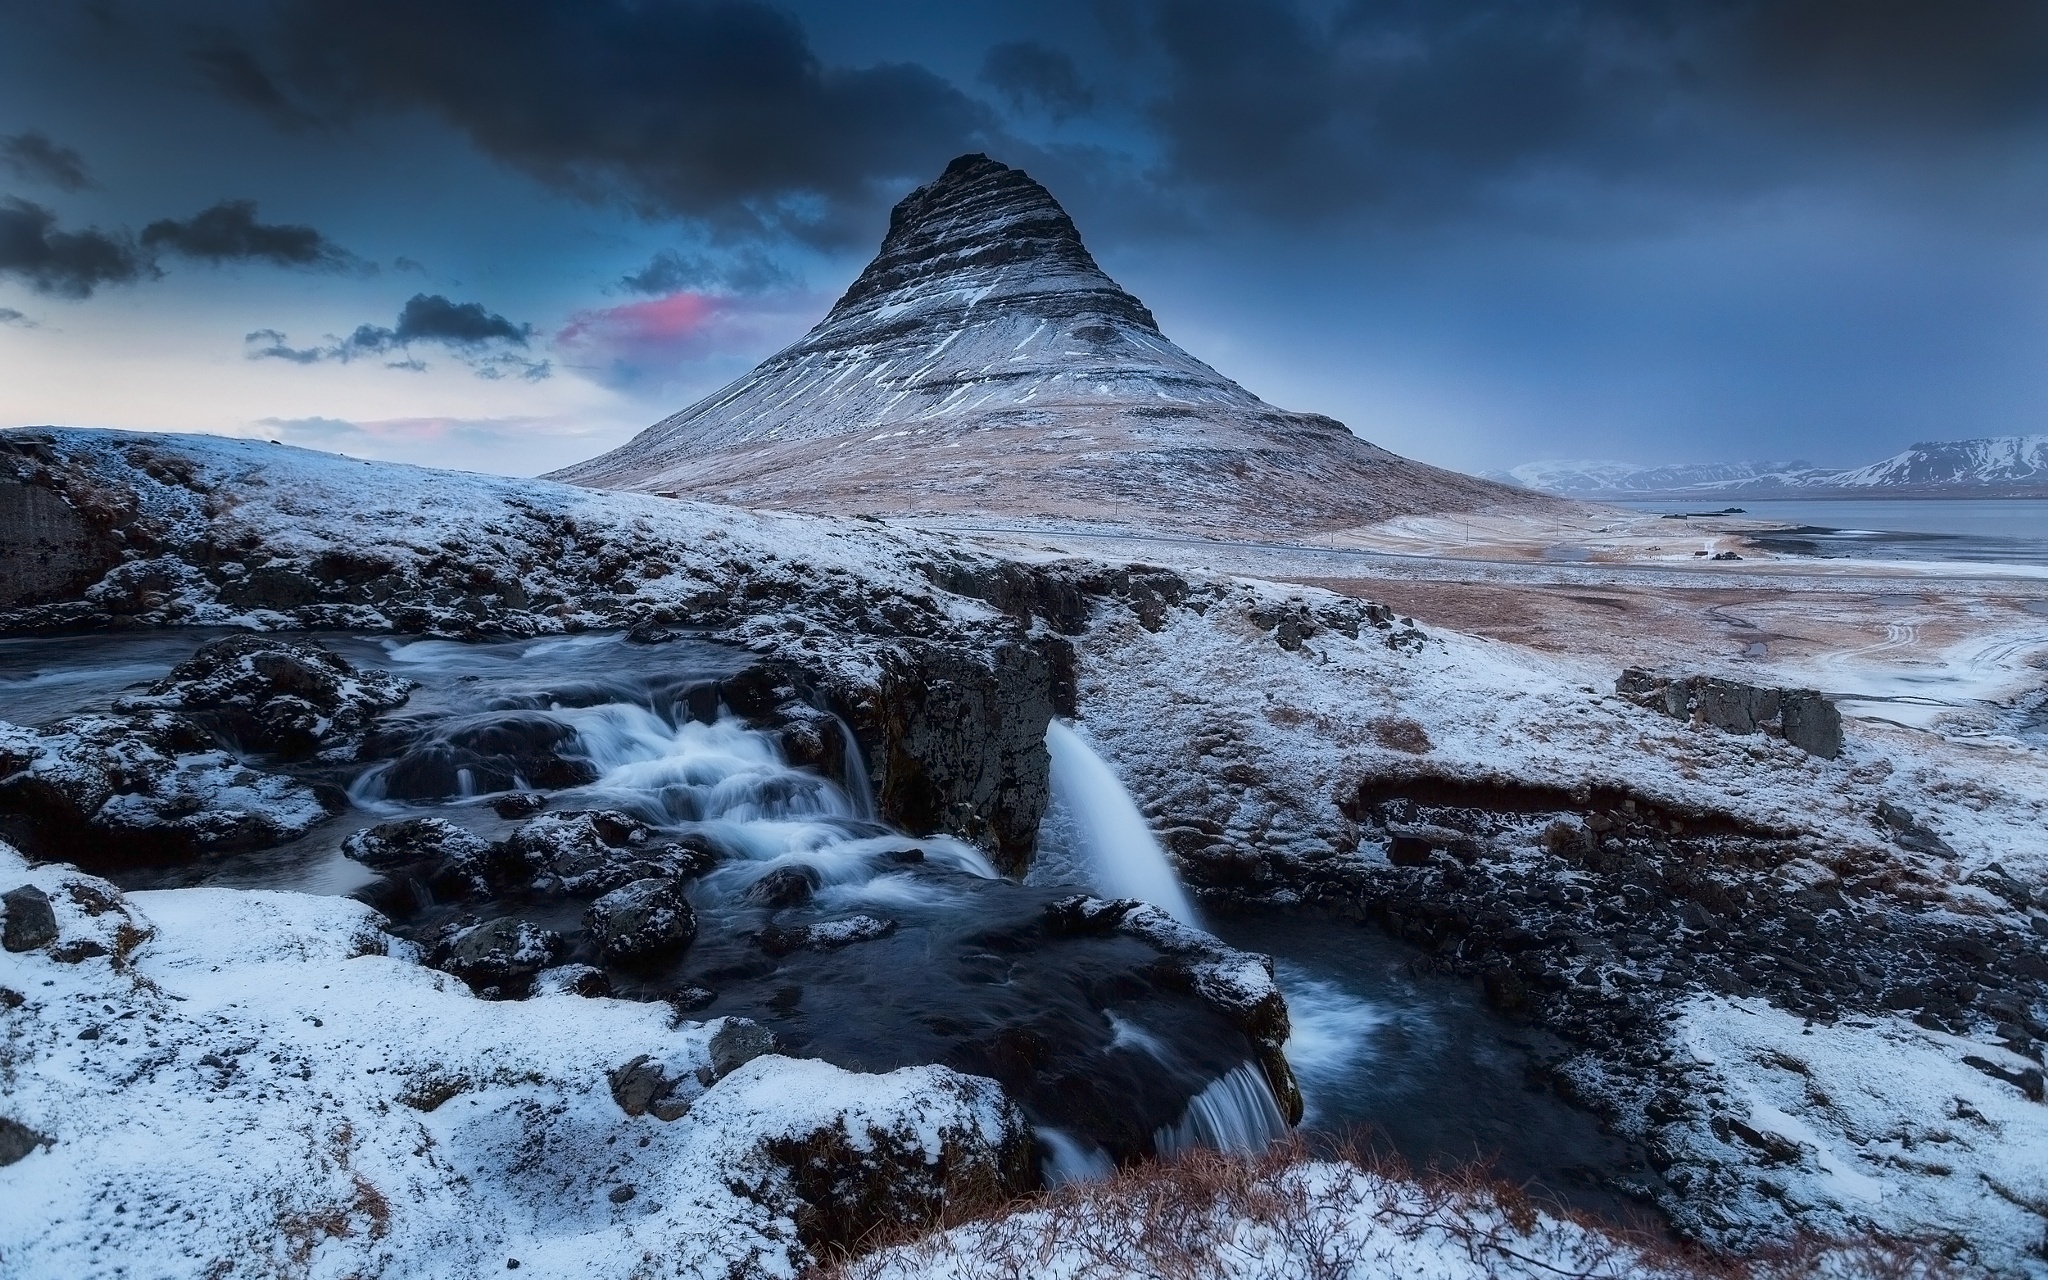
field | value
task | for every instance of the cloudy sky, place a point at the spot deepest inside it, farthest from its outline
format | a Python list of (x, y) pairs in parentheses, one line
[(505, 234)]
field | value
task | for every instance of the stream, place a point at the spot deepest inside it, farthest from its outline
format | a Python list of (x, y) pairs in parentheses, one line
[(1108, 1063)]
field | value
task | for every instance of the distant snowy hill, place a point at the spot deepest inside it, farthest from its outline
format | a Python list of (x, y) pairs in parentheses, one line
[(1997, 463)]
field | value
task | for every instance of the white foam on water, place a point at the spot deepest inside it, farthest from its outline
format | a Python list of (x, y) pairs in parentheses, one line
[(1332, 1033), (1236, 1112), (1121, 855), (1067, 1160)]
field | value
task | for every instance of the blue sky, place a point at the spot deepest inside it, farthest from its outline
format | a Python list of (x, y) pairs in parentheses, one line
[(505, 234)]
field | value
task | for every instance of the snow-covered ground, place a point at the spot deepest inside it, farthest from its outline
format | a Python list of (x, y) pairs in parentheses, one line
[(241, 1082)]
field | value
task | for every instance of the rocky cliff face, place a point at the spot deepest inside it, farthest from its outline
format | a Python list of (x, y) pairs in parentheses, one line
[(984, 364)]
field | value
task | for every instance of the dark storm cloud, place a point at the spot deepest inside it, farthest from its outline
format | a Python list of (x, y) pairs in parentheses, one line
[(487, 342), (1033, 77), (739, 272), (8, 315), (1307, 110), (234, 71), (69, 264), (34, 158), (229, 232), (714, 111)]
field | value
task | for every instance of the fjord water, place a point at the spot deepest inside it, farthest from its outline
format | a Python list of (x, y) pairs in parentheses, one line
[(1969, 530)]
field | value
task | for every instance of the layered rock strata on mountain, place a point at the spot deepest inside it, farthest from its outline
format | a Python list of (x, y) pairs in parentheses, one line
[(984, 365)]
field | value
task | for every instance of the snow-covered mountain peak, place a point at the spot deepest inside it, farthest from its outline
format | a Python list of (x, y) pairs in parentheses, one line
[(984, 365), (983, 234)]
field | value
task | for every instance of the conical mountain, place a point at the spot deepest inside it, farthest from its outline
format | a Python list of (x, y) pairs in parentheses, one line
[(983, 365)]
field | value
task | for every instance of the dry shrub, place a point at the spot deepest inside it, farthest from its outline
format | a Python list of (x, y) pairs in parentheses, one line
[(1327, 1212), (1397, 733)]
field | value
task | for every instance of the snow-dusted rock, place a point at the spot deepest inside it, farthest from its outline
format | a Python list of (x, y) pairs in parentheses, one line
[(594, 852), (1237, 984), (1869, 1124), (641, 921), (115, 788), (269, 693)]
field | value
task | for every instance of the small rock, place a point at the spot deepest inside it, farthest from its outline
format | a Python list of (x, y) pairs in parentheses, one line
[(519, 804), (622, 1193), (641, 1088), (829, 936), (1908, 833), (572, 980), (30, 921), (690, 997)]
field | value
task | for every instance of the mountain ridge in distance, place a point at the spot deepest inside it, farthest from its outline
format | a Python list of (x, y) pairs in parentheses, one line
[(983, 367), (1988, 466)]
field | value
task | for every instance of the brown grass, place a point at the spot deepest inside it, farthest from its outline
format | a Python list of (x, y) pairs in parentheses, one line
[(1180, 1219)]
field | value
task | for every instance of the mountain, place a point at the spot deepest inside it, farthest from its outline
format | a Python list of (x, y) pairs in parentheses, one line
[(1995, 460), (983, 365), (1989, 466), (1579, 478)]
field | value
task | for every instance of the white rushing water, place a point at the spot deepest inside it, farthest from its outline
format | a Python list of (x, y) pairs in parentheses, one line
[(1235, 1113), (1117, 850), (1332, 1034)]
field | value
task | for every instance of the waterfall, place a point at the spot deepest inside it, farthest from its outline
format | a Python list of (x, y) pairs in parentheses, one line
[(1235, 1113), (1121, 854), (858, 788)]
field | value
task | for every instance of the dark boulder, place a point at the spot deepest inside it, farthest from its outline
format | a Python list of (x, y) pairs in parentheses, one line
[(594, 851), (17, 1140), (456, 863), (30, 921), (397, 844), (784, 887), (736, 1043), (829, 936), (956, 742), (100, 789), (645, 920)]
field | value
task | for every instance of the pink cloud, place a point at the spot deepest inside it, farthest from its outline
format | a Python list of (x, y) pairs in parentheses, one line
[(655, 339)]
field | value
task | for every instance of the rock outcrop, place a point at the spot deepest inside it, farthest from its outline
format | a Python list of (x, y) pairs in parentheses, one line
[(983, 365), (1803, 717)]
